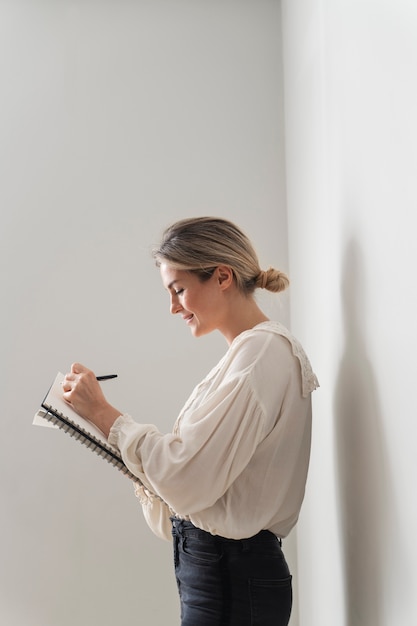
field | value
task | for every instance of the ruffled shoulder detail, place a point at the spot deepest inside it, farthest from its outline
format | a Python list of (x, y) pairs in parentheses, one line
[(308, 377)]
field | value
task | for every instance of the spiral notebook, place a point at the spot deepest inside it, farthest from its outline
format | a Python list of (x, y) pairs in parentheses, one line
[(57, 413)]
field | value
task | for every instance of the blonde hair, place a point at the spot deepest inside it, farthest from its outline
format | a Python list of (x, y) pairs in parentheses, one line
[(200, 244)]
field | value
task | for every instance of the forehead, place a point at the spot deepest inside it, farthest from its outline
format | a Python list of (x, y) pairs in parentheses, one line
[(171, 275)]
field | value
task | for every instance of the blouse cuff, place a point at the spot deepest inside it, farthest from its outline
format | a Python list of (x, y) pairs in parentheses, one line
[(115, 430), (143, 494)]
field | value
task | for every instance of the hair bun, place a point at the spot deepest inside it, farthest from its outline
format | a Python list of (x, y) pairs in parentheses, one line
[(263, 279), (272, 280)]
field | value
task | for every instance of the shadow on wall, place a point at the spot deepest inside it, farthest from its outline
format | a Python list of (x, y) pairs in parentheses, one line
[(363, 479)]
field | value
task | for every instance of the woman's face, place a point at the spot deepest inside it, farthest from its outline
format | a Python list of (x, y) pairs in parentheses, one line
[(200, 304)]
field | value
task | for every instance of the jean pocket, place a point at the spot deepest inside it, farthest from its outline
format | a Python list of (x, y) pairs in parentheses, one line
[(202, 551), (271, 601)]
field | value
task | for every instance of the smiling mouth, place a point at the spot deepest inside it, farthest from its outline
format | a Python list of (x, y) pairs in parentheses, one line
[(188, 318)]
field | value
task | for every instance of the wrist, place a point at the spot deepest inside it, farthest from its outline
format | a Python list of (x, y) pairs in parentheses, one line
[(105, 418)]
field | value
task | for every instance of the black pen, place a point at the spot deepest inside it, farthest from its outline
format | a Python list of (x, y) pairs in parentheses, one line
[(106, 377)]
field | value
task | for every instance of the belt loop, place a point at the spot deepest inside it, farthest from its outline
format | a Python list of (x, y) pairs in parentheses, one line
[(245, 545), (177, 526)]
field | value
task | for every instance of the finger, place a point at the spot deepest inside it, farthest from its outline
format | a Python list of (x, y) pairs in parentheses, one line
[(78, 368), (66, 384), (67, 397)]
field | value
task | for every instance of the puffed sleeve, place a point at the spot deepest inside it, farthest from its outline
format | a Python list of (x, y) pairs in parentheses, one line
[(192, 469)]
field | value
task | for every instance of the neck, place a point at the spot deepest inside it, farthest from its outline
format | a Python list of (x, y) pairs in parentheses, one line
[(243, 316)]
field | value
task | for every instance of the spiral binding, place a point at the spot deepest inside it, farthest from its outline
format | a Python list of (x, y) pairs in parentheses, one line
[(87, 439)]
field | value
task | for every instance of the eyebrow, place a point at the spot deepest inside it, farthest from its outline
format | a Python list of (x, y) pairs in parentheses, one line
[(171, 284)]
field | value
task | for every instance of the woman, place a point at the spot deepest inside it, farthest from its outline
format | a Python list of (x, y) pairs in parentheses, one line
[(229, 481)]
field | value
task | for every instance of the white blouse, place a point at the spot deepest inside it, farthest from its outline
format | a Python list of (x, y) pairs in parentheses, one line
[(237, 459)]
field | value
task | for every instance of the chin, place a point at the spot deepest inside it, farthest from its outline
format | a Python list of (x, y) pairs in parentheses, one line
[(199, 332)]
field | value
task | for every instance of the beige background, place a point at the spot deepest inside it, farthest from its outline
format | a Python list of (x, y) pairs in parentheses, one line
[(116, 118)]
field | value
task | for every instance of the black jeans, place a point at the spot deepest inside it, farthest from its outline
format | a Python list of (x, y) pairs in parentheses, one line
[(229, 582)]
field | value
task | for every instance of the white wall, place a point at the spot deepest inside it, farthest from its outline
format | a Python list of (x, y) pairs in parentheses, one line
[(351, 135), (115, 118)]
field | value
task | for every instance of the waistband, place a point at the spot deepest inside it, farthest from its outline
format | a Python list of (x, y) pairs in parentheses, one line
[(185, 528)]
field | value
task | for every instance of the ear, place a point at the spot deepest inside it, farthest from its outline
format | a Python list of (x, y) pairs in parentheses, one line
[(224, 276)]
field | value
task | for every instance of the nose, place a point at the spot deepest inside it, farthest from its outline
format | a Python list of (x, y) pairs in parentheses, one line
[(175, 304)]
